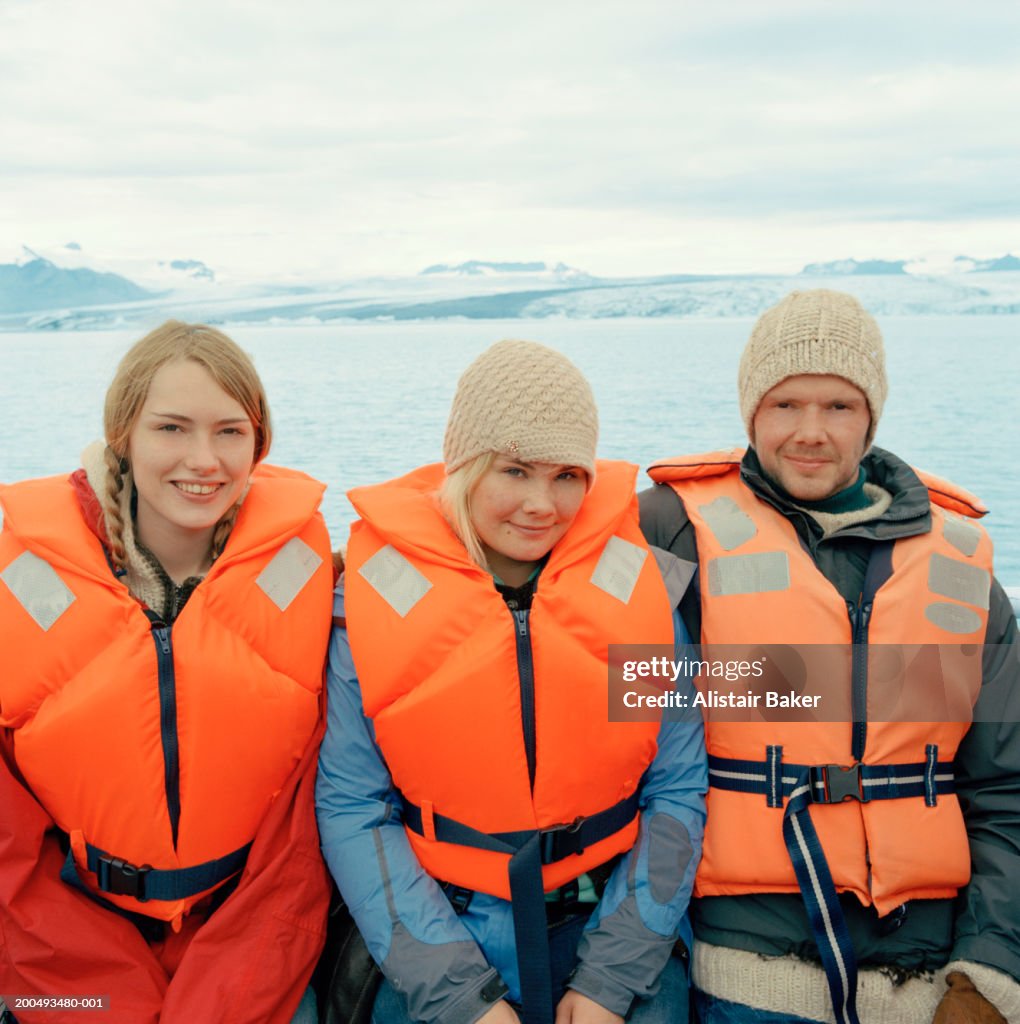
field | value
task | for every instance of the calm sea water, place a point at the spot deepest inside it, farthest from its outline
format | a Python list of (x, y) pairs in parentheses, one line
[(356, 403)]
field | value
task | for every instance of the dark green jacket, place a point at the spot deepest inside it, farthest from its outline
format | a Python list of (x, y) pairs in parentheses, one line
[(983, 923)]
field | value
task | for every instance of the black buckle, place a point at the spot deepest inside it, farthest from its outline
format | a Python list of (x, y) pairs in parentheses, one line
[(563, 903), (459, 897), (837, 784), (121, 878), (561, 841)]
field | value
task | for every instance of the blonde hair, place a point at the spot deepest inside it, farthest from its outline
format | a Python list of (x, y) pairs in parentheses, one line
[(228, 365), (455, 501)]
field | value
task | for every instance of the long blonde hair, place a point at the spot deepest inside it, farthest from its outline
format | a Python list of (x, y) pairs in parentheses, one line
[(455, 501), (174, 341)]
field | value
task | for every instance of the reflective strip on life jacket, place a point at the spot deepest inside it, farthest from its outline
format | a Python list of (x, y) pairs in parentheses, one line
[(964, 536), (618, 568), (958, 580), (288, 572), (757, 573), (395, 579), (952, 617), (38, 588), (731, 525)]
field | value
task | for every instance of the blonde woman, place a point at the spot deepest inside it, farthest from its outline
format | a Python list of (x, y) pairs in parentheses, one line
[(163, 622), (508, 852)]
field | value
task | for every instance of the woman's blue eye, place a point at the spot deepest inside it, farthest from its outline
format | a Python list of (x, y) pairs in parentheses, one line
[(169, 427)]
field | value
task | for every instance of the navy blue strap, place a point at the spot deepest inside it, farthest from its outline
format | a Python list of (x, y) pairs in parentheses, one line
[(529, 849), (122, 878), (555, 843), (527, 902), (821, 902), (830, 783)]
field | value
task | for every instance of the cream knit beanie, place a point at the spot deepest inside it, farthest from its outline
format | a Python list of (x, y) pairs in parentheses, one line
[(522, 399), (821, 332)]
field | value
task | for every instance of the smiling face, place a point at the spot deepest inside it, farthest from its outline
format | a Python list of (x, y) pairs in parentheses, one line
[(191, 450), (520, 510), (810, 433)]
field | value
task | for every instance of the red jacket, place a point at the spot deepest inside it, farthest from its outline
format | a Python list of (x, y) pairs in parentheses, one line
[(249, 963)]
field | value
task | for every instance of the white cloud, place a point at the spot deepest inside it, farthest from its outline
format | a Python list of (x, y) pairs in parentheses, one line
[(323, 137)]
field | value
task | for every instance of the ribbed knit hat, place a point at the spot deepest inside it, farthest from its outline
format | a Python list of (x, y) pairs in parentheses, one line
[(820, 332), (522, 399)]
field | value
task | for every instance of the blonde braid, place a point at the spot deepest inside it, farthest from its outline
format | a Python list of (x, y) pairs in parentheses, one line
[(110, 503), (222, 532)]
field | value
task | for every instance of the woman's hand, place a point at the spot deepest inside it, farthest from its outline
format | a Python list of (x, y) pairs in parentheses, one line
[(574, 1008), (501, 1013)]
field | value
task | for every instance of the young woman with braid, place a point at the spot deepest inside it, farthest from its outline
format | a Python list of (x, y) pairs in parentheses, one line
[(164, 614)]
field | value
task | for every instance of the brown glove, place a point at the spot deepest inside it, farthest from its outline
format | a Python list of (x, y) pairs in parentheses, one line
[(963, 1004)]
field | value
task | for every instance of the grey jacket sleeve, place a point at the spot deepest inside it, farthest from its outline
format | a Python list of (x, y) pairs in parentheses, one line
[(630, 936), (665, 525), (988, 786), (664, 522)]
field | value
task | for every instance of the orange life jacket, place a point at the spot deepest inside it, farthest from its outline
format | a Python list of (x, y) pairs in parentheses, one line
[(760, 587), (161, 748), (437, 652)]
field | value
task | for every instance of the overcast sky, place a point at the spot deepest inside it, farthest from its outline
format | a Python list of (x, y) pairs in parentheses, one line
[(329, 139)]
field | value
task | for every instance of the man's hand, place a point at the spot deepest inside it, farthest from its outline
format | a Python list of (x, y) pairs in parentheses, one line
[(963, 1004), (574, 1008), (501, 1013)]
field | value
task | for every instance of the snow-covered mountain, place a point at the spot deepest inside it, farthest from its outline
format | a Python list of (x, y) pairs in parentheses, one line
[(33, 282), (535, 270), (149, 274), (37, 293), (838, 268), (1007, 263)]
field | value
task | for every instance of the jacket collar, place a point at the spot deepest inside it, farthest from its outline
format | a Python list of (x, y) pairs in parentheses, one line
[(909, 513)]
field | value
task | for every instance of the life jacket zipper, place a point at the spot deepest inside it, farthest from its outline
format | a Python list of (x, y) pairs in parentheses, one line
[(860, 617), (526, 679), (167, 685)]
